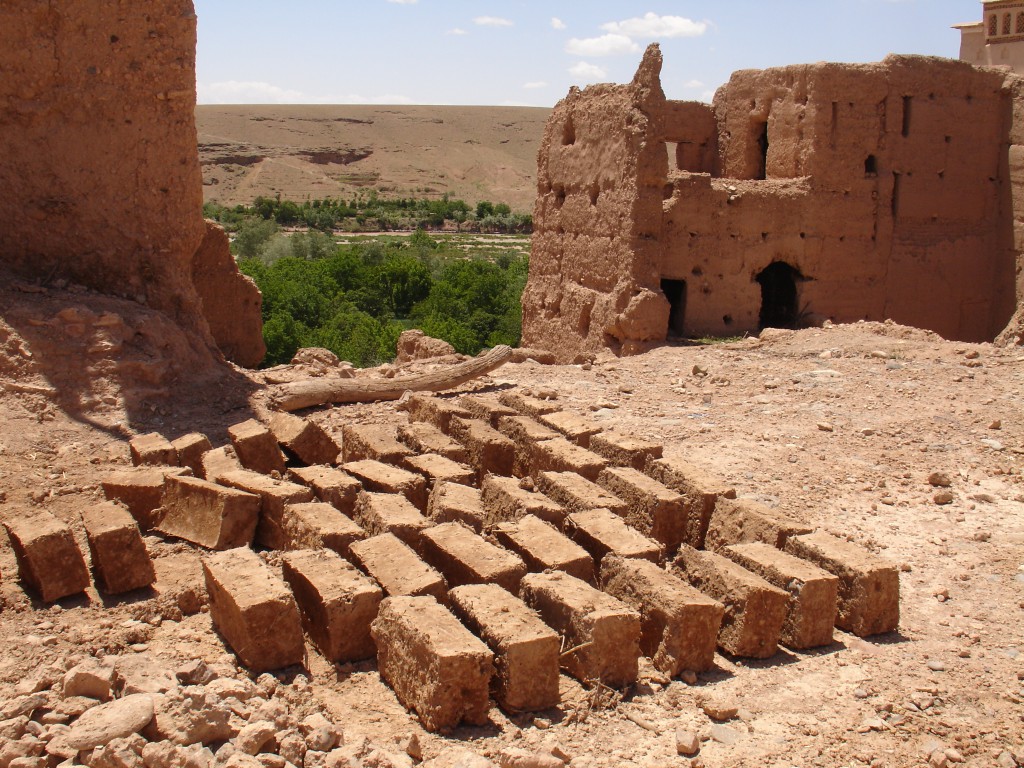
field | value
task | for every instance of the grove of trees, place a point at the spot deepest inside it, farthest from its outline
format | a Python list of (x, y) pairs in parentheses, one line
[(356, 299)]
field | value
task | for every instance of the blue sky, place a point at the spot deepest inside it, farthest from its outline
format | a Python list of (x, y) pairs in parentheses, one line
[(529, 52)]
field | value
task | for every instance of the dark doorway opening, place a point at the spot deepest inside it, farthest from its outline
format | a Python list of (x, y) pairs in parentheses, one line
[(762, 148), (675, 292), (779, 307)]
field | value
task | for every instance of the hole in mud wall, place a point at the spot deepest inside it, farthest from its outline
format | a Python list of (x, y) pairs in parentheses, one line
[(870, 167), (559, 196), (907, 103), (594, 194), (568, 132), (675, 292), (672, 150), (762, 150), (779, 301)]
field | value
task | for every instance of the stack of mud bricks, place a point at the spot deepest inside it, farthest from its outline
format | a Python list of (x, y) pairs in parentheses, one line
[(488, 544)]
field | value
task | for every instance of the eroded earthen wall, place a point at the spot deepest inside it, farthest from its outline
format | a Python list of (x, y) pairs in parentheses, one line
[(887, 190), (597, 219), (100, 181)]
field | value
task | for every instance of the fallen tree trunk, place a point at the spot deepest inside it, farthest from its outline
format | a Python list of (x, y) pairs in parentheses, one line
[(309, 392)]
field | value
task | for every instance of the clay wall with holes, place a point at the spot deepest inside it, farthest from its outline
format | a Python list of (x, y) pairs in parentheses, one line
[(803, 193)]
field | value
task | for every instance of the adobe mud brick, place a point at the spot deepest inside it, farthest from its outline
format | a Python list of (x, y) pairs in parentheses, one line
[(653, 508), (330, 485), (210, 515), (119, 558), (487, 408), (435, 666), (217, 461), (489, 450), (179, 583), (527, 404), (436, 469), (253, 610), (379, 477), (256, 447), (371, 441), (601, 634), (525, 648), (869, 587), (559, 455), (398, 570), (140, 490), (190, 449), (465, 557), (505, 500), (737, 521), (577, 428), (336, 601), (316, 525), (679, 625), (390, 513), (49, 561), (301, 438), (576, 493), (426, 438), (524, 431), (437, 411), (456, 503), (599, 532), (274, 496), (754, 609), (543, 548), (700, 489), (625, 451), (813, 592), (153, 448)]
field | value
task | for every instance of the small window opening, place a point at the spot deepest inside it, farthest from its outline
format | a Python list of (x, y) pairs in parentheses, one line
[(906, 115), (1006, 23), (762, 149), (568, 132), (675, 292), (835, 124), (779, 308), (1020, 24), (993, 27), (870, 167)]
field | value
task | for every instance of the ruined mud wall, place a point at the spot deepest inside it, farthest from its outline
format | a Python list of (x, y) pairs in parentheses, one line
[(887, 190), (885, 185), (100, 182), (597, 218)]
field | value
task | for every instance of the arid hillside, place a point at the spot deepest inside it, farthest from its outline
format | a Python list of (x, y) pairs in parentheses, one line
[(472, 153)]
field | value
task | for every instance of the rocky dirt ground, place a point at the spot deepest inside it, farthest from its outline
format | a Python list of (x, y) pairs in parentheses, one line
[(844, 425)]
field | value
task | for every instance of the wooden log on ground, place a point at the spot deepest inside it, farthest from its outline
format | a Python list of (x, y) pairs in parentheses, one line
[(296, 395)]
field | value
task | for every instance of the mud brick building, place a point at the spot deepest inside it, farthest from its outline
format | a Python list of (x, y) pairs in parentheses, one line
[(840, 191)]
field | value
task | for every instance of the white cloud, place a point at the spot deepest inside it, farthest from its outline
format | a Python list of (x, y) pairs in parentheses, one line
[(557, 23), (457, 31), (253, 92), (606, 45), (693, 84), (651, 25), (537, 84), (492, 21), (591, 73)]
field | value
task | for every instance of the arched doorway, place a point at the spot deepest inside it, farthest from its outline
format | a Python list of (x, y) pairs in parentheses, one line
[(779, 302)]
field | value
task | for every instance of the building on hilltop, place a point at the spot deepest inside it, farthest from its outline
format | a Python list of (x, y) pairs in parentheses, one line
[(996, 40), (836, 191)]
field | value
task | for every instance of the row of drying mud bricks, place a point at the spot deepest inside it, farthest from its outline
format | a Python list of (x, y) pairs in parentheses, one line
[(644, 608)]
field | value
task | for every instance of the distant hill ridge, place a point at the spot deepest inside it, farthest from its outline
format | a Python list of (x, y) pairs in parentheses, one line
[(318, 151)]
